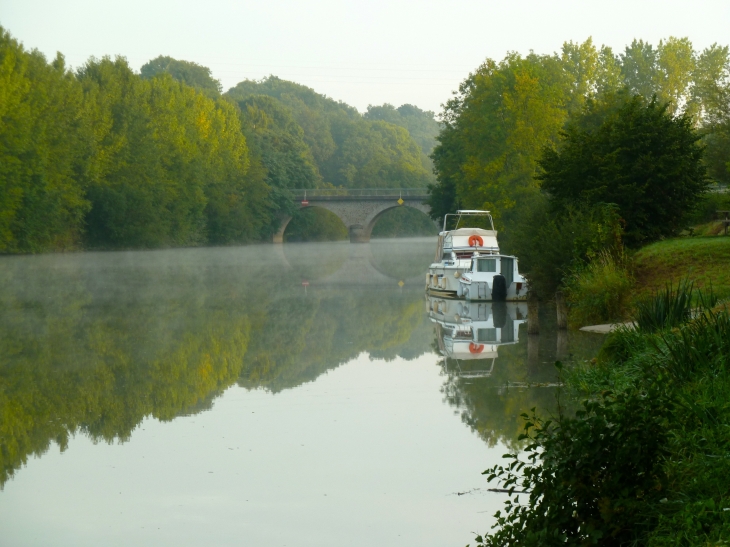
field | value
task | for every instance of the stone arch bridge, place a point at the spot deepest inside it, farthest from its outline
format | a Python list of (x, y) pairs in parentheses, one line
[(359, 209)]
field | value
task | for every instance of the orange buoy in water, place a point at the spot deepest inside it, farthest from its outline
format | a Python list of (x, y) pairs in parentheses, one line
[(476, 241), (476, 348)]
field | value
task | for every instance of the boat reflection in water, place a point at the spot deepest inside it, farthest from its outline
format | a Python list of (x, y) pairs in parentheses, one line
[(469, 333)]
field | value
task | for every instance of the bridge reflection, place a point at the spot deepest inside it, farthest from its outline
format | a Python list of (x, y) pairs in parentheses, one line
[(381, 263)]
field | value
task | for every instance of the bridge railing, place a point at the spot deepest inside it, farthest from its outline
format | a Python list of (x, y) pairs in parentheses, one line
[(360, 192)]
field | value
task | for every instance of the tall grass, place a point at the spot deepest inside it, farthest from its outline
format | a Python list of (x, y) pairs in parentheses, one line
[(672, 307), (600, 291)]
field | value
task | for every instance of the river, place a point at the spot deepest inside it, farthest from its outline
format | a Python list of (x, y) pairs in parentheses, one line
[(262, 395)]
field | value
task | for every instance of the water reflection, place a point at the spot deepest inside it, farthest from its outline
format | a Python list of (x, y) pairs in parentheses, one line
[(472, 331), (93, 344), (494, 370)]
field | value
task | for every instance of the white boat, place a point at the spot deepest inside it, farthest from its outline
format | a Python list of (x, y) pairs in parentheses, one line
[(468, 263), (473, 331)]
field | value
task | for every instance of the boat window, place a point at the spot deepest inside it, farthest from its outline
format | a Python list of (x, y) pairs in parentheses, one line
[(486, 335), (487, 265)]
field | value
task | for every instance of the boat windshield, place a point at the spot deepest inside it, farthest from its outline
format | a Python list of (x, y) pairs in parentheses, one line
[(474, 218), (486, 264)]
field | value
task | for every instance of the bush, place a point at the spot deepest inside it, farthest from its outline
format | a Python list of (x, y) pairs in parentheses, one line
[(589, 479), (710, 203), (549, 245), (599, 291)]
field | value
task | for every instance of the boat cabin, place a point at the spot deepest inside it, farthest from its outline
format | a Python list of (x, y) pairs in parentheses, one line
[(462, 243)]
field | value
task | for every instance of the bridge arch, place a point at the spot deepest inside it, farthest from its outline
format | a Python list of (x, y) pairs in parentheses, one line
[(368, 230), (285, 221), (358, 209)]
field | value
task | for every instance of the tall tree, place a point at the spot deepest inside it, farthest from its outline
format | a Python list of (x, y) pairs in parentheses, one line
[(494, 129), (639, 157), (44, 139), (277, 142), (187, 72), (639, 68)]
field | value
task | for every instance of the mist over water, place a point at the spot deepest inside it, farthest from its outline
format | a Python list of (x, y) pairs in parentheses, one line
[(261, 395)]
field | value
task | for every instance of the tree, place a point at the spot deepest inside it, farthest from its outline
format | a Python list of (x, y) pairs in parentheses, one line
[(278, 145), (632, 153), (493, 132), (169, 166), (348, 150), (187, 72), (44, 141)]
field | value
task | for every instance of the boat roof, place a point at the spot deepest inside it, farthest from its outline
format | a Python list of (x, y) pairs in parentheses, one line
[(467, 212), (471, 232)]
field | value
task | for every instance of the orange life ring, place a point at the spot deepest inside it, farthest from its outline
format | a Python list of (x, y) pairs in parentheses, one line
[(475, 348), (476, 241)]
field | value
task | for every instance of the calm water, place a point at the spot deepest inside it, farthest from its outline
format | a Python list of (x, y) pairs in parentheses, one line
[(261, 395)]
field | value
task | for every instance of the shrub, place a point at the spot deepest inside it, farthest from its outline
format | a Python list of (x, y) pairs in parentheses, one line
[(549, 245), (589, 479), (599, 291)]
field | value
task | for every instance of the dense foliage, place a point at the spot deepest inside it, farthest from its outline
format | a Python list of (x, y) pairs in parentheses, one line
[(581, 102), (189, 73), (644, 462), (106, 158), (348, 149), (632, 154)]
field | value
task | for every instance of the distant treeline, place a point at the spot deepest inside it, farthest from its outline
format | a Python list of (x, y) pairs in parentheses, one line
[(102, 157)]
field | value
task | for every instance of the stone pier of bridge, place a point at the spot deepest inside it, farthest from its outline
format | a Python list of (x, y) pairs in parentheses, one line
[(358, 209)]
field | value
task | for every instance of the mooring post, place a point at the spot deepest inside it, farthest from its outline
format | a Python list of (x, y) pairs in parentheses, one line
[(561, 352), (533, 323), (562, 310), (533, 353)]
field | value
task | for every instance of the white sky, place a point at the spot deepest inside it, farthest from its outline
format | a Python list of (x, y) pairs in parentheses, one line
[(395, 51)]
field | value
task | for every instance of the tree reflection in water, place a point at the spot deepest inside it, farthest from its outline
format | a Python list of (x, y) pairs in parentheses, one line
[(93, 343)]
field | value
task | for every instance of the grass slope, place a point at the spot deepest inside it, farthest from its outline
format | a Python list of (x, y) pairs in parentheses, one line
[(705, 260)]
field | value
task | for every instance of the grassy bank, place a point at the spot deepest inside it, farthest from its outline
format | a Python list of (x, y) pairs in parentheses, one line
[(647, 459), (705, 260), (607, 289)]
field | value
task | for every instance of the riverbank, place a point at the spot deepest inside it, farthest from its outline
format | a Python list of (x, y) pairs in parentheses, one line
[(646, 460), (704, 260)]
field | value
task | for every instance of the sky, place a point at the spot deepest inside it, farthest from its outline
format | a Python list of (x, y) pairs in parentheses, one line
[(369, 52)]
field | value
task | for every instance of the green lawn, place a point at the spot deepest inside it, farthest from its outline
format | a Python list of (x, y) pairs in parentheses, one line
[(703, 260)]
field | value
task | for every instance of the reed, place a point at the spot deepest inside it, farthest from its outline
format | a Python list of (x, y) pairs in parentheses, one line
[(672, 306)]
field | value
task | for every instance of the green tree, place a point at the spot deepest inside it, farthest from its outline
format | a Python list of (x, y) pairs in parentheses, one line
[(711, 93), (169, 166), (348, 150), (277, 142), (676, 63), (421, 125), (493, 132), (631, 153), (44, 140), (639, 68), (187, 72)]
